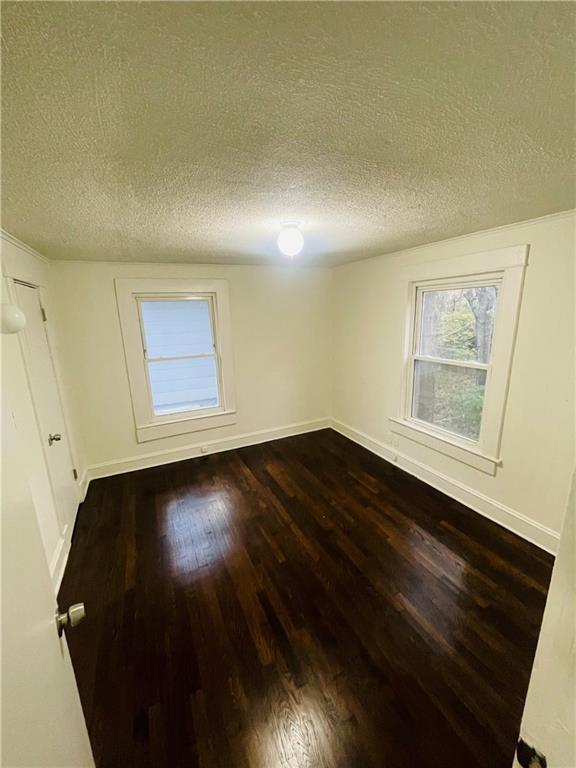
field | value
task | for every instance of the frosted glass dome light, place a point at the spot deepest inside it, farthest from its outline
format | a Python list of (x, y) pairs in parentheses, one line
[(290, 240)]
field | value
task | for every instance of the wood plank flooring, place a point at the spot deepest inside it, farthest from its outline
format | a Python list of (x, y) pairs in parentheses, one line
[(298, 604)]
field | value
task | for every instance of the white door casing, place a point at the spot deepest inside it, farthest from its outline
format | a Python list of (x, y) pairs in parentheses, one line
[(48, 406)]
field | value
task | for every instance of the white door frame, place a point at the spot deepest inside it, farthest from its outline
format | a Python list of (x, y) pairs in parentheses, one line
[(25, 266), (25, 356)]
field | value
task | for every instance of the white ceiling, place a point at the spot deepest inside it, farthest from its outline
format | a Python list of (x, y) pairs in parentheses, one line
[(162, 131)]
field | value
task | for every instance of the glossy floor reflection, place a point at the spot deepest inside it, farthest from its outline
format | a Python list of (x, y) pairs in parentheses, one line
[(298, 604)]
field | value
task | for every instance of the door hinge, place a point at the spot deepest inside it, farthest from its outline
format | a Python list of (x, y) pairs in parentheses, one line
[(75, 474), (44, 318)]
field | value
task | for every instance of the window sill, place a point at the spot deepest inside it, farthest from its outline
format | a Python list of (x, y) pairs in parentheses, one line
[(181, 426), (455, 450)]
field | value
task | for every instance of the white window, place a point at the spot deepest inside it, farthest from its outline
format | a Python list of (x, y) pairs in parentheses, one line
[(451, 355), (461, 330), (178, 353)]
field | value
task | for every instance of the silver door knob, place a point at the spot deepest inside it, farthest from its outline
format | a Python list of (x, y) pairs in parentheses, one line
[(54, 438), (71, 618)]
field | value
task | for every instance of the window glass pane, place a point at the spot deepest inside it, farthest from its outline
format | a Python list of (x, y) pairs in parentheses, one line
[(449, 396), (457, 324), (175, 328), (183, 385)]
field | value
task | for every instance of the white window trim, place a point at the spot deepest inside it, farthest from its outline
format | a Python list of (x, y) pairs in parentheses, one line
[(506, 268), (148, 425)]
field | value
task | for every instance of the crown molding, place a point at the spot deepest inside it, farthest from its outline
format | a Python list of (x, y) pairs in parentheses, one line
[(502, 228), (396, 253), (24, 246)]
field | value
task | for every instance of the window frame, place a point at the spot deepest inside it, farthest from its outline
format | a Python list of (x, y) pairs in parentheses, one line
[(505, 269), (438, 285), (129, 294), (215, 354)]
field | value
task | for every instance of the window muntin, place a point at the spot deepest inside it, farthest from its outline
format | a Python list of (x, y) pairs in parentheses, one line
[(451, 356), (180, 353)]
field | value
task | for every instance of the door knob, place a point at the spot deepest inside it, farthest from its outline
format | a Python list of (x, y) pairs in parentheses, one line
[(71, 618), (54, 438)]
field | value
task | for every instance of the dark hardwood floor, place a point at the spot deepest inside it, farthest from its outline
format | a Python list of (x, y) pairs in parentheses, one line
[(298, 604)]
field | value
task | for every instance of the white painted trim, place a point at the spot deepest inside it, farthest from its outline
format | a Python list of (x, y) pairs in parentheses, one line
[(56, 556), (172, 427), (443, 444), (504, 267), (169, 456), (469, 267), (398, 252), (20, 244), (59, 560), (401, 252), (509, 518), (18, 266), (22, 263), (148, 426), (26, 358), (83, 483), (291, 266)]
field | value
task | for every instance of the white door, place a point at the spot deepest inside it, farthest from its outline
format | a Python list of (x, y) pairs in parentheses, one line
[(48, 406), (42, 722)]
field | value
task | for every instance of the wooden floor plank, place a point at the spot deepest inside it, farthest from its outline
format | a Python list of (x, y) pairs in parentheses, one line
[(299, 604)]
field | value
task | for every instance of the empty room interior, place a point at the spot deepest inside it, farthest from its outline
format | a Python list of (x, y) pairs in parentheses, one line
[(288, 388)]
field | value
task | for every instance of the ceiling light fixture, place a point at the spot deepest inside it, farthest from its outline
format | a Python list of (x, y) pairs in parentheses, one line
[(13, 318), (290, 240)]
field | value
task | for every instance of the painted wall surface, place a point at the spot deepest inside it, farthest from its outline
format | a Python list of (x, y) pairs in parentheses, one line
[(279, 322), (15, 384), (368, 327), (22, 264), (549, 719)]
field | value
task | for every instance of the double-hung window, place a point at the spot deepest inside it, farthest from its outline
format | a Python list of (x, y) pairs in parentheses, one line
[(179, 347), (178, 353), (458, 352), (451, 356)]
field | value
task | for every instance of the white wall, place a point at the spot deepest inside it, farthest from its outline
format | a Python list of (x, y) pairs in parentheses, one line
[(549, 720), (279, 330), (19, 262), (529, 492), (308, 339)]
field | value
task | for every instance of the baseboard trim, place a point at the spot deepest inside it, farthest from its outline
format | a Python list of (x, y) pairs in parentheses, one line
[(509, 518), (83, 483), (59, 560), (158, 458)]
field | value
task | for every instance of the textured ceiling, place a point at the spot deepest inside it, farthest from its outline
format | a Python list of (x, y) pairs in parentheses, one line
[(162, 131)]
